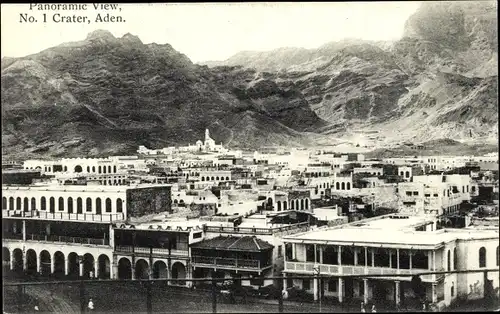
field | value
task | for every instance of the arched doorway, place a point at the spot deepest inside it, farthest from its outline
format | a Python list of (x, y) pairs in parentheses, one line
[(18, 260), (160, 270), (141, 269), (124, 268), (31, 262), (178, 272), (104, 266), (59, 264), (88, 265), (5, 259), (45, 262), (73, 265)]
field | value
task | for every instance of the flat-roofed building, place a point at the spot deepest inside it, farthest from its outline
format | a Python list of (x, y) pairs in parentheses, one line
[(392, 244)]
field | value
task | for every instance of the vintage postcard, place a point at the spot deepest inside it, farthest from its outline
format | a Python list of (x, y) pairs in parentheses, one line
[(250, 157)]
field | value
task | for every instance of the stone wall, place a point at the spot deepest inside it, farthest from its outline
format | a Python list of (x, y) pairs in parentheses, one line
[(151, 200)]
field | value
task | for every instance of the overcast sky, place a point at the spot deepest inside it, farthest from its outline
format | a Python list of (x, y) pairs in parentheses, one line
[(215, 31)]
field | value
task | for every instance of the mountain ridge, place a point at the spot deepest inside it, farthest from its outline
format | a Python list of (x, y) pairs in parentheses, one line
[(108, 95)]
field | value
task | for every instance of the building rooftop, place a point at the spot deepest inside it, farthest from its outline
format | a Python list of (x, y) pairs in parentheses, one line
[(232, 243), (390, 231)]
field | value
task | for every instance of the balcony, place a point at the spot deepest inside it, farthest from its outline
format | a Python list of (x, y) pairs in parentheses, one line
[(60, 239), (145, 251), (308, 267), (63, 216), (228, 263)]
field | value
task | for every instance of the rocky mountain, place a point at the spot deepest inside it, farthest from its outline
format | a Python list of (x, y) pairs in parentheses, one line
[(438, 81), (107, 95)]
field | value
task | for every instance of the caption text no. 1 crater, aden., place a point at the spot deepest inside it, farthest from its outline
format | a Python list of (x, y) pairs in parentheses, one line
[(54, 13)]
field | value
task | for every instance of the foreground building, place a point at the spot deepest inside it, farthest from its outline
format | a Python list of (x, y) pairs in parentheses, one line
[(389, 245)]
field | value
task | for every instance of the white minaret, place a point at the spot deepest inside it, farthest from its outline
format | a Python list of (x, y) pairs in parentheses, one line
[(207, 134)]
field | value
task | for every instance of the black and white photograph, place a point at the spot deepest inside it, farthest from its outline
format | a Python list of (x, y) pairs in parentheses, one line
[(250, 157)]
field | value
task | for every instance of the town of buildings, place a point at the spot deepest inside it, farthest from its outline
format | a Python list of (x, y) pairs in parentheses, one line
[(209, 211)]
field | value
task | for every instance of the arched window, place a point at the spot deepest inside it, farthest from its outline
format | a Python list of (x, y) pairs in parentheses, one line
[(61, 203), (89, 204), (26, 204), (103, 169), (79, 205), (278, 203), (337, 186), (109, 169), (99, 169), (108, 205), (202, 178), (88, 168), (212, 178), (70, 205), (98, 205), (482, 257), (348, 185), (65, 168), (43, 203), (307, 203), (285, 205), (4, 202), (217, 178), (18, 203), (119, 205), (52, 204), (33, 203), (227, 178), (93, 169), (114, 169), (455, 259), (78, 169), (343, 185), (449, 260)]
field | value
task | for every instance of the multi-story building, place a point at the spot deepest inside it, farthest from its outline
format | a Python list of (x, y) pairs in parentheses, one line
[(434, 194), (68, 230), (389, 245)]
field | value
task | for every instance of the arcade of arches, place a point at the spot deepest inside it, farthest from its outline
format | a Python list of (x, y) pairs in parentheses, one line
[(71, 205), (160, 270), (297, 204), (57, 264)]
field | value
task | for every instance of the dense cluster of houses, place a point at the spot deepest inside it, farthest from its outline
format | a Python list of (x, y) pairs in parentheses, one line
[(208, 211)]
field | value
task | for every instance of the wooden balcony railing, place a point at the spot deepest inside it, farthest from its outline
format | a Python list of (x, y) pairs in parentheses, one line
[(64, 239), (63, 216), (308, 267), (227, 262), (147, 251)]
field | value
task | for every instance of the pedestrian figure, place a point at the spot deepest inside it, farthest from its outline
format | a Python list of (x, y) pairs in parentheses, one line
[(91, 305), (285, 294), (374, 310), (91, 274), (363, 310)]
